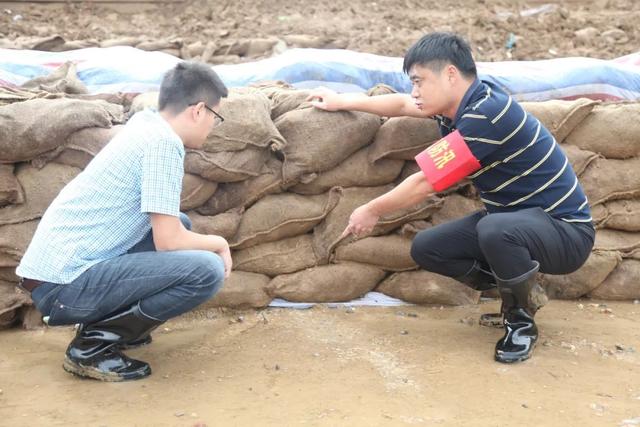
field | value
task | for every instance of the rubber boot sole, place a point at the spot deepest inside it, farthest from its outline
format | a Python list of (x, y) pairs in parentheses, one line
[(89, 372)]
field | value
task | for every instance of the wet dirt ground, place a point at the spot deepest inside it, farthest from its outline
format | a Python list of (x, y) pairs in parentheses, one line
[(367, 366)]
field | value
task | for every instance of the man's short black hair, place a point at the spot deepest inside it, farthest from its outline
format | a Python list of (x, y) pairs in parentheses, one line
[(188, 83), (436, 50)]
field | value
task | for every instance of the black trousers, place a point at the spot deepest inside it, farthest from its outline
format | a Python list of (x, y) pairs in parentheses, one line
[(505, 243)]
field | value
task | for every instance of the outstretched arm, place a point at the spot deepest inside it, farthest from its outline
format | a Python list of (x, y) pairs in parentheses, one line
[(408, 193), (391, 105)]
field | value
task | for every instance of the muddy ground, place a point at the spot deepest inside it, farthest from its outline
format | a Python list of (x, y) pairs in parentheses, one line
[(368, 366), (597, 28)]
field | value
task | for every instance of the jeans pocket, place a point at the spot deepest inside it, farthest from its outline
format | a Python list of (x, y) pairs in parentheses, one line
[(62, 314)]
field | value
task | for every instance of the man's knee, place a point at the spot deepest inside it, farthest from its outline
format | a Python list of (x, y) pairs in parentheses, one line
[(208, 267), (186, 221), (423, 250), (491, 231)]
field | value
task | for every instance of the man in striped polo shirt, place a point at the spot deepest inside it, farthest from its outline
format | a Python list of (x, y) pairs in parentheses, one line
[(536, 215)]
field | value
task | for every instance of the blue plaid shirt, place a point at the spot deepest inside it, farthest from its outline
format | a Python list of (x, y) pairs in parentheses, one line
[(105, 210)]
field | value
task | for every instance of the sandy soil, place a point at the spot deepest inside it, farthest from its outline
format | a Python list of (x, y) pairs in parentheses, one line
[(597, 28), (369, 366)]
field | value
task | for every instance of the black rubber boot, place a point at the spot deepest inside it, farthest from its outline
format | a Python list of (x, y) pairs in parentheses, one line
[(478, 278), (137, 343), (521, 332), (95, 353)]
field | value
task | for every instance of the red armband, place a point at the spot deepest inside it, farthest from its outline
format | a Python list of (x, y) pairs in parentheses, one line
[(447, 161)]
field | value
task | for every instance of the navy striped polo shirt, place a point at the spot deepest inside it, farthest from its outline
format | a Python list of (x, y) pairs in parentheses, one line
[(522, 166)]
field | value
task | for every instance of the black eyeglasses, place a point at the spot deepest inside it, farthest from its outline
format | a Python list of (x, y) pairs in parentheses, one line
[(219, 118)]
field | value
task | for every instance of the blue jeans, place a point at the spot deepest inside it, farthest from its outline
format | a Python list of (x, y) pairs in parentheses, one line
[(164, 284)]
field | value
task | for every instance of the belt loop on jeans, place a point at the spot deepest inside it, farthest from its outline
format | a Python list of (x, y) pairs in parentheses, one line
[(29, 285)]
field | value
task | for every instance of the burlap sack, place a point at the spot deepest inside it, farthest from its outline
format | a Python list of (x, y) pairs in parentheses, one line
[(244, 193), (11, 301), (326, 236), (380, 89), (606, 180), (276, 217), (579, 283), (81, 147), (285, 100), (622, 284), (9, 95), (612, 130), (561, 117), (195, 191), (227, 166), (403, 138), (319, 140), (355, 171), (241, 290), (8, 274), (410, 229), (619, 214), (327, 283), (612, 240), (410, 167), (224, 224), (36, 126), (455, 206), (578, 158), (391, 253), (40, 186), (247, 123), (14, 240), (275, 258), (424, 287), (10, 189), (62, 79)]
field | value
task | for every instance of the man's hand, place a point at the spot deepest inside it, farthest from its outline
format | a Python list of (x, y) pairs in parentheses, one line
[(225, 254), (325, 99), (361, 222)]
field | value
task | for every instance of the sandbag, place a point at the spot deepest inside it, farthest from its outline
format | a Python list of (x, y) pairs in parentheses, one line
[(610, 179), (327, 283), (410, 229), (63, 79), (619, 215), (622, 284), (319, 140), (276, 217), (561, 117), (81, 147), (355, 171), (225, 224), (33, 127), (247, 123), (424, 287), (144, 101), (454, 207), (231, 195), (613, 240), (326, 236), (581, 282), (226, 166), (275, 258), (10, 189), (11, 300), (9, 95), (578, 158), (8, 274), (284, 98), (391, 253), (612, 130), (403, 138), (14, 240), (241, 290), (195, 191), (40, 186)]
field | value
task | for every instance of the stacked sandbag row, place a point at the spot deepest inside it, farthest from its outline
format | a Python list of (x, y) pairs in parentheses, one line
[(603, 142), (279, 179)]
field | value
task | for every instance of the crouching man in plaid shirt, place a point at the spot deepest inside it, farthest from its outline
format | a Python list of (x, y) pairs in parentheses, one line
[(113, 252)]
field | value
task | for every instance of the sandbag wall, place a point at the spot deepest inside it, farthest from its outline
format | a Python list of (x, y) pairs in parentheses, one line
[(279, 179)]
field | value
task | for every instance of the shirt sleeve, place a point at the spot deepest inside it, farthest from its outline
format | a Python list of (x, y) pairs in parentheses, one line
[(483, 137), (162, 173)]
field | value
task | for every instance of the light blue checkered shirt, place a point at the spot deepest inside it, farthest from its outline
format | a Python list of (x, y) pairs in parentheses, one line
[(105, 210)]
